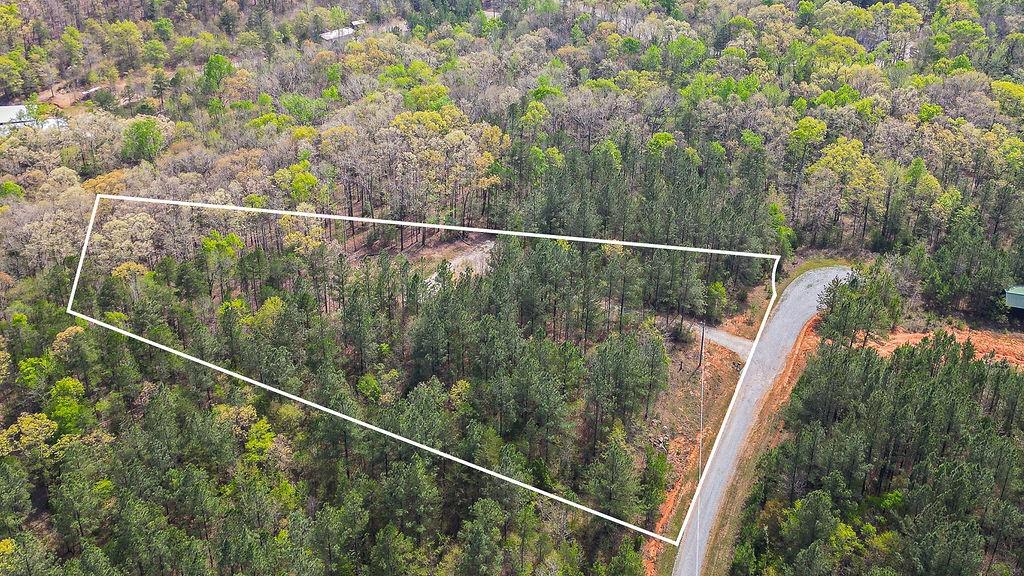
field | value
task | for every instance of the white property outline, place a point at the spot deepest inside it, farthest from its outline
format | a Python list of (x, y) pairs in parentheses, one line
[(694, 503)]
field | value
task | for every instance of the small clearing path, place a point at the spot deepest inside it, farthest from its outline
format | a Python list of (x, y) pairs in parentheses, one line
[(738, 344), (473, 259)]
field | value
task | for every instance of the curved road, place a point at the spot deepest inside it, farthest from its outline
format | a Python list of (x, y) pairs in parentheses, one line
[(795, 308)]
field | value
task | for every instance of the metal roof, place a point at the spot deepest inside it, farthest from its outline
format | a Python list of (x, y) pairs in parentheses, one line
[(339, 33), (1018, 290), (14, 114), (15, 117)]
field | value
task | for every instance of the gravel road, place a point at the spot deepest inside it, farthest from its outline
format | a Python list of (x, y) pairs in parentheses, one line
[(795, 308), (738, 344)]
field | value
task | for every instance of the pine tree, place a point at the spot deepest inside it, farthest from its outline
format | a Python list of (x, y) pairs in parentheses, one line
[(481, 540), (612, 479)]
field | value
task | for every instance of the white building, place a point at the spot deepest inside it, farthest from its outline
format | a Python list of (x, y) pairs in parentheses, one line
[(13, 117), (339, 35)]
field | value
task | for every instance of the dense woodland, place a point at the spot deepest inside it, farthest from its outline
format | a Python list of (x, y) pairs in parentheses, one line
[(549, 360), (888, 132), (910, 464)]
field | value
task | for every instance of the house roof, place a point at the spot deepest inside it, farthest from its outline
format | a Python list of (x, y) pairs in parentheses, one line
[(14, 114), (14, 117), (1016, 290), (339, 33)]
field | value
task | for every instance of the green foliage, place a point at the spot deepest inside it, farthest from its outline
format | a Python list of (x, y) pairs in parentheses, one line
[(298, 181), (417, 73), (928, 111), (394, 554), (890, 131), (841, 97), (717, 300), (11, 189), (427, 97), (627, 562), (786, 236), (142, 140), (408, 497), (34, 373), (613, 481), (654, 482), (15, 503), (258, 442), (65, 406), (125, 40), (154, 53), (545, 89), (480, 538), (834, 493), (369, 387), (217, 68), (660, 141), (862, 307), (164, 28), (303, 109), (685, 53), (1010, 97), (965, 272)]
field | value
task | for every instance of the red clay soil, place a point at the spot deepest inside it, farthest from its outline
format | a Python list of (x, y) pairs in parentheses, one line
[(747, 322), (1003, 346), (806, 343), (720, 384), (652, 548)]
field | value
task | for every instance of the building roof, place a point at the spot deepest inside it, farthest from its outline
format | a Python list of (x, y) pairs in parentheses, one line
[(339, 33), (17, 116), (1016, 290), (14, 115)]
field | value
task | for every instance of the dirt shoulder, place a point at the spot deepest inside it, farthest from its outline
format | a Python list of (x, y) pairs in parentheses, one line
[(766, 434), (687, 441)]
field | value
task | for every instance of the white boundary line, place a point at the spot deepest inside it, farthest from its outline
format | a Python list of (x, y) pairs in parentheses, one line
[(695, 503)]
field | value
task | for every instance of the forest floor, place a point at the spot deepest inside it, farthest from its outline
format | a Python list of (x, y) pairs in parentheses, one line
[(675, 428), (61, 95), (748, 320), (469, 254), (67, 97)]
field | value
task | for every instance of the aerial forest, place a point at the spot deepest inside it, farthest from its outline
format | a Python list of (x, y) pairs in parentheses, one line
[(910, 464), (887, 136)]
